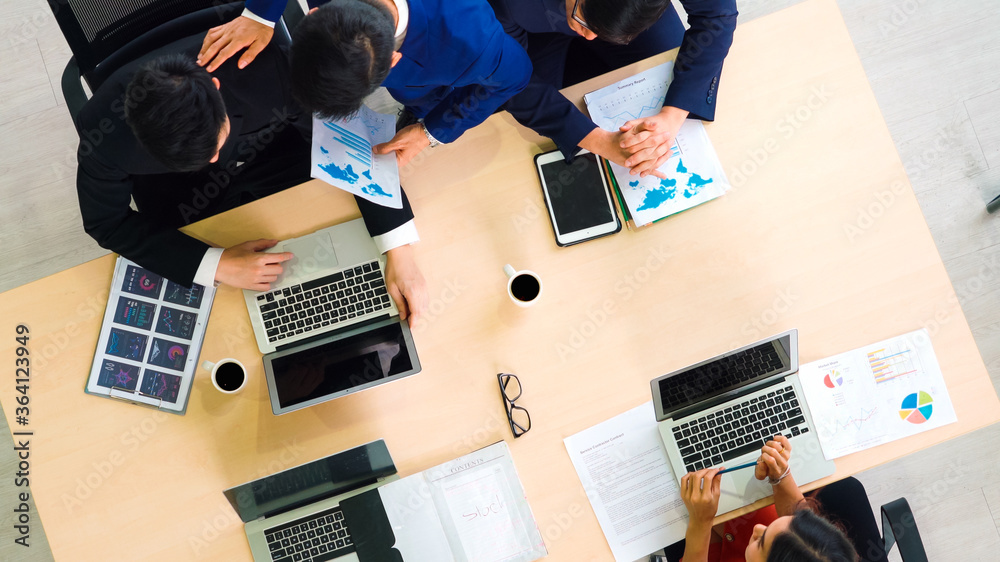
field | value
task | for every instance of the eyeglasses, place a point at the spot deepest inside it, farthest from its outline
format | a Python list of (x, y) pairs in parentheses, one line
[(510, 389), (577, 18)]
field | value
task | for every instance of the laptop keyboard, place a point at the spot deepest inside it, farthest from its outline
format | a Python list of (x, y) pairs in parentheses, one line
[(321, 536), (724, 435), (316, 304)]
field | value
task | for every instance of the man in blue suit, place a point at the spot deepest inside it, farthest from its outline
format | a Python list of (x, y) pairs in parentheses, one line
[(450, 63), (572, 40)]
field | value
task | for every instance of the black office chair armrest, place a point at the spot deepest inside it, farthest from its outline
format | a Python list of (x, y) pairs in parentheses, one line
[(900, 528), (72, 88)]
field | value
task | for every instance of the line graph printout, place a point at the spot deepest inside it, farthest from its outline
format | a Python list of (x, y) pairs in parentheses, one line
[(342, 156), (875, 394), (694, 173)]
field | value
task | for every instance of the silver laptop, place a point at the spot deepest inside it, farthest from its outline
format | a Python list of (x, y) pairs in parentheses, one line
[(295, 515), (328, 326), (721, 411)]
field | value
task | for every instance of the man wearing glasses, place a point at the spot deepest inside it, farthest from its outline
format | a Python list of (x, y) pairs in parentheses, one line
[(569, 41)]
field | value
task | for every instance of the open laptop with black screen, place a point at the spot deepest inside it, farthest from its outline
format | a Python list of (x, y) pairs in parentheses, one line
[(295, 515), (328, 327), (719, 412)]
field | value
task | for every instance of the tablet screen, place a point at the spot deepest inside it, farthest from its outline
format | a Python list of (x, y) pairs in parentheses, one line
[(579, 198)]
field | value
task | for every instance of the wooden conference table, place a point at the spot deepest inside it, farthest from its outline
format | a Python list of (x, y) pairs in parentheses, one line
[(821, 233)]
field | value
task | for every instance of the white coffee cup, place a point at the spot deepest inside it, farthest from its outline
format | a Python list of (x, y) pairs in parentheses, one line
[(229, 376), (523, 287)]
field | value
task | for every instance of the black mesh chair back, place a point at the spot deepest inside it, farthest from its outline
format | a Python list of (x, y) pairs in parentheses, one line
[(95, 29)]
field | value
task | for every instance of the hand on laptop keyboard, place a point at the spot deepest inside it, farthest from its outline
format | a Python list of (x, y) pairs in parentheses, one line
[(773, 462)]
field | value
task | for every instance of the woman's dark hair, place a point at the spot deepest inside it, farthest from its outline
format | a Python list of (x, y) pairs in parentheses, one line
[(619, 21), (811, 538), (340, 54), (176, 112)]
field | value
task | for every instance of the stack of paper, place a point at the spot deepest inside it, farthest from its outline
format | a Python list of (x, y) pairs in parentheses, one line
[(694, 173)]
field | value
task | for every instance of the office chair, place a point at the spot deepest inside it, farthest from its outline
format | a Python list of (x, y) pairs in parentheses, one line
[(106, 34), (845, 503), (993, 205)]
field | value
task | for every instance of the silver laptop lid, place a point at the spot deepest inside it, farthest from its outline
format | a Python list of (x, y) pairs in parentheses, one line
[(312, 482), (725, 376)]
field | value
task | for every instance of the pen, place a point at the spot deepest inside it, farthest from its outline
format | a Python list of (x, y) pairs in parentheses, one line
[(747, 465)]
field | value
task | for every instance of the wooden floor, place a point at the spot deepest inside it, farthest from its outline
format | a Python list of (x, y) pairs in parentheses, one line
[(933, 67)]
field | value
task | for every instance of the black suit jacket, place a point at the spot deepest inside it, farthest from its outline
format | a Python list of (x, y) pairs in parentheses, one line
[(267, 150)]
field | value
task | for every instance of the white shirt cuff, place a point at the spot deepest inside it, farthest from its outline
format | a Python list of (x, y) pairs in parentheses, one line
[(205, 276), (248, 14), (402, 235)]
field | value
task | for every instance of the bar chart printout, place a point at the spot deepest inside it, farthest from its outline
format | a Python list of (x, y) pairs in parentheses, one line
[(875, 394), (342, 156)]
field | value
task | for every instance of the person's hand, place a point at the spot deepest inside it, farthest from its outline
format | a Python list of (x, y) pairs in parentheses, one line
[(227, 39), (648, 140), (701, 491), (608, 145), (405, 283), (246, 266), (773, 459), (407, 143)]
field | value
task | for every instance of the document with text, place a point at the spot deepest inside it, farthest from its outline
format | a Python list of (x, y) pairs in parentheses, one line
[(625, 472)]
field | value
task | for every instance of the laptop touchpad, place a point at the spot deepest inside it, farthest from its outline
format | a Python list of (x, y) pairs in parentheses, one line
[(313, 254)]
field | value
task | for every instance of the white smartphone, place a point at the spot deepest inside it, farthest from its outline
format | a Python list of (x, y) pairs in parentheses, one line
[(577, 196)]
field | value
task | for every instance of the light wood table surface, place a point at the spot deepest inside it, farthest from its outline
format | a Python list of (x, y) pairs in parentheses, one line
[(821, 233)]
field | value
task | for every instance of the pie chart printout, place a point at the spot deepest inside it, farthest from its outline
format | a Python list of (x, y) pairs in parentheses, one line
[(833, 379), (917, 407)]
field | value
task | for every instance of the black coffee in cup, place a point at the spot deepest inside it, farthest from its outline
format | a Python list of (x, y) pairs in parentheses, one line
[(525, 287), (229, 376)]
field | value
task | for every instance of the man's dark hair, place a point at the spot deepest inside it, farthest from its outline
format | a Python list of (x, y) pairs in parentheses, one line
[(619, 21), (340, 54), (176, 112)]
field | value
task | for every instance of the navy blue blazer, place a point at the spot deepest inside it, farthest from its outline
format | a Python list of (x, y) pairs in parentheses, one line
[(698, 67), (458, 65)]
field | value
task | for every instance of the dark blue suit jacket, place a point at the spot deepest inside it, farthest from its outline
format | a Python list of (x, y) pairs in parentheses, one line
[(458, 65), (703, 48)]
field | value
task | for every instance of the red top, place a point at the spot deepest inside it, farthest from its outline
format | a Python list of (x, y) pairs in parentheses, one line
[(737, 535)]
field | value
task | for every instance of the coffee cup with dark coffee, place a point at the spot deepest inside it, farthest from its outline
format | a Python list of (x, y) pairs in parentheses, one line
[(523, 287), (229, 376)]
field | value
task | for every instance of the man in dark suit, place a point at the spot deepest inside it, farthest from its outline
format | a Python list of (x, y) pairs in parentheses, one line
[(184, 145), (572, 40), (451, 63)]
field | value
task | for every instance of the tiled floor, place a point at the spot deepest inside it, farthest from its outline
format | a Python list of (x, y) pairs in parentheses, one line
[(933, 67)]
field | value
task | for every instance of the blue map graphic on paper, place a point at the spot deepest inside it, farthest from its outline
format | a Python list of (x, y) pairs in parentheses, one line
[(633, 183), (367, 174), (375, 189), (324, 150), (659, 195), (667, 190), (347, 174)]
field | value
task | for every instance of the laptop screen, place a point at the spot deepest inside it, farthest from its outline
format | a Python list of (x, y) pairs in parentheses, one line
[(312, 482), (374, 355), (721, 375)]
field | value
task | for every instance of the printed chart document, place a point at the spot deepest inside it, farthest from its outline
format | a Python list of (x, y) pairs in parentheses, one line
[(472, 509), (342, 156), (875, 394), (694, 173), (625, 472), (152, 333)]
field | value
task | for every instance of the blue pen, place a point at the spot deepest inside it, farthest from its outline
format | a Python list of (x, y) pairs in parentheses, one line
[(747, 465)]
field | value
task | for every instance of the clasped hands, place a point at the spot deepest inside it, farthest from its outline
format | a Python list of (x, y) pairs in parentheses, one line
[(642, 145)]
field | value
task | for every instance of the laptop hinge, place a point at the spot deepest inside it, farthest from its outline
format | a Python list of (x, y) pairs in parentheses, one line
[(726, 397), (328, 333)]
